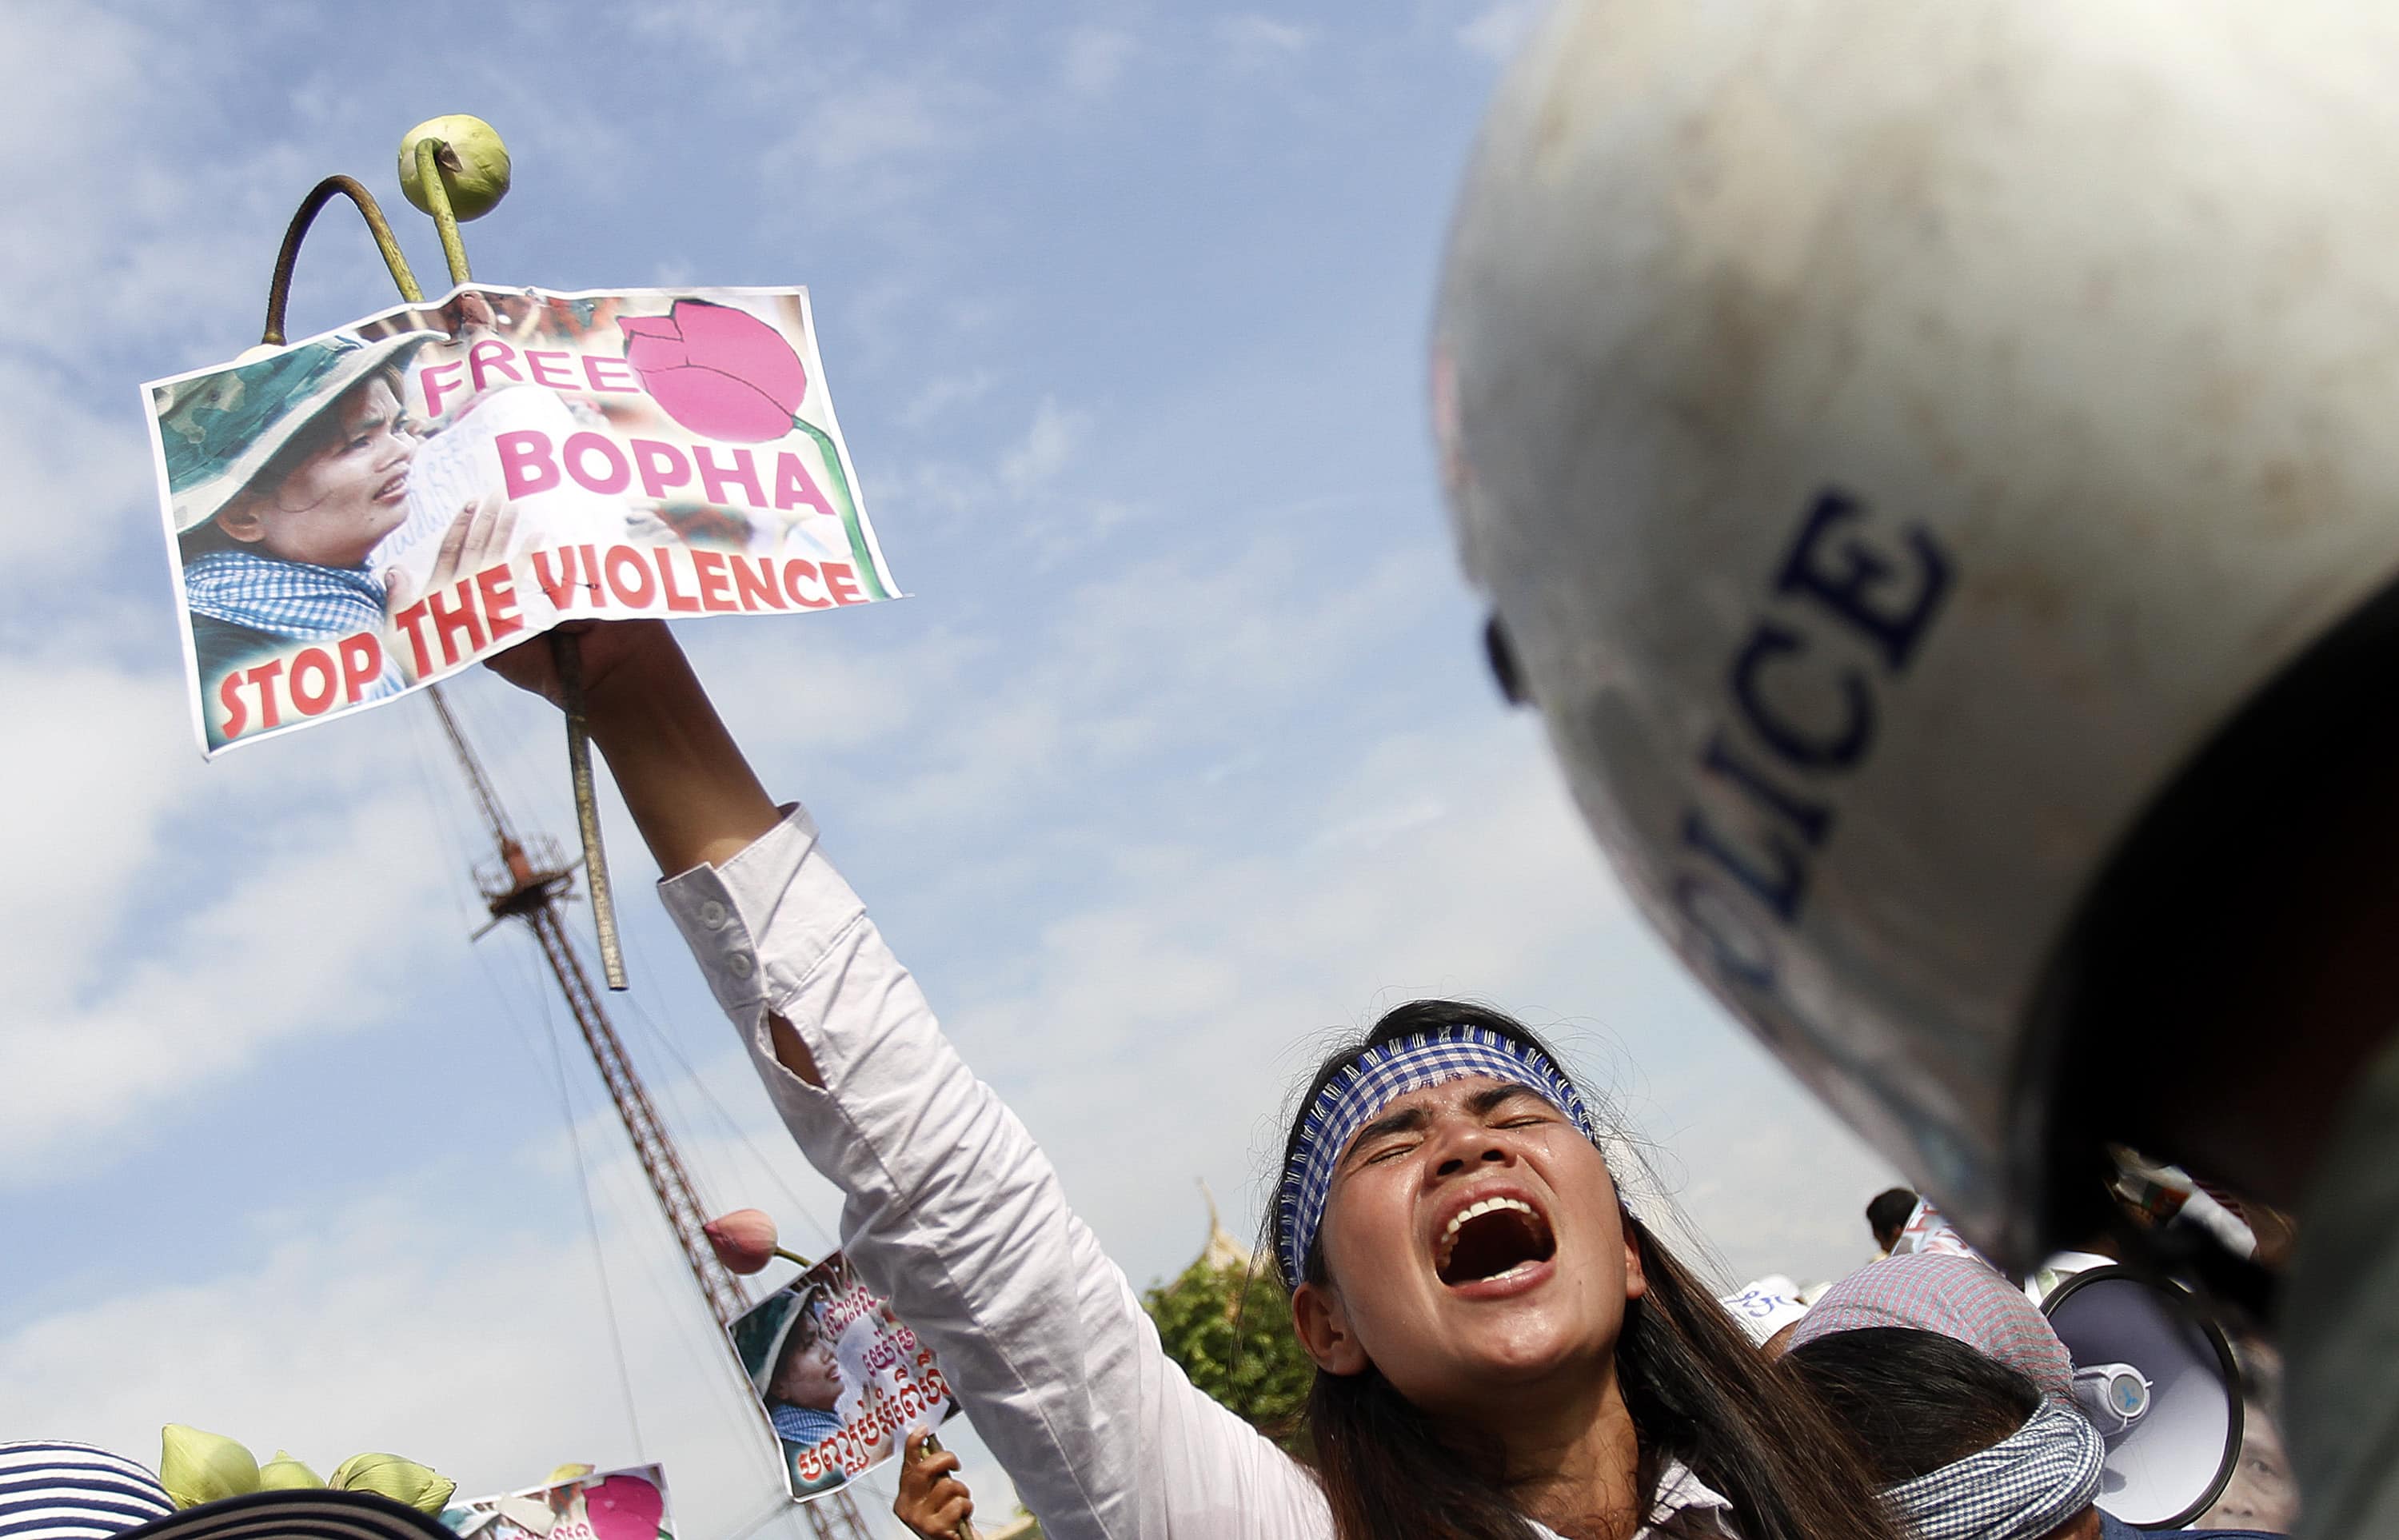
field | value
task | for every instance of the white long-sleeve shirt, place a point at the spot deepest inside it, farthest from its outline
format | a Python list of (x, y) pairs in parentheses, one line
[(954, 1215)]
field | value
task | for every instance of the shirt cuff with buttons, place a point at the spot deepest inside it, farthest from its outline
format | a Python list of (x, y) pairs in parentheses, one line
[(759, 922)]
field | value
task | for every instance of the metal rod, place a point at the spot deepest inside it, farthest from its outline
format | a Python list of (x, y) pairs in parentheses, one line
[(279, 289), (432, 156), (569, 659)]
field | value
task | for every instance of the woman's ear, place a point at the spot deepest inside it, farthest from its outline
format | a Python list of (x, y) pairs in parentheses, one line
[(1637, 1283), (240, 520), (1323, 1327)]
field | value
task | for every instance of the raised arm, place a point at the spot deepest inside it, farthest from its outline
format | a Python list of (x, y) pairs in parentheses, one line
[(950, 1211)]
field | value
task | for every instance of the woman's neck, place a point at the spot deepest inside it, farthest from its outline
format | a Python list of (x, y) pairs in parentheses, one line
[(1573, 1461)]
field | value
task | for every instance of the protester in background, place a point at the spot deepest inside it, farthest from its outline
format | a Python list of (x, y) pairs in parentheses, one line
[(1887, 1216), (1965, 1447), (1501, 1346), (1958, 1297)]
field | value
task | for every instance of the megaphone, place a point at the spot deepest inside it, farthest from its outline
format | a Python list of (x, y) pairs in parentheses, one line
[(2159, 1383)]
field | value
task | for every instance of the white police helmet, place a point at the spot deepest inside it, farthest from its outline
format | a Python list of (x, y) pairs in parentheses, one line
[(1899, 441)]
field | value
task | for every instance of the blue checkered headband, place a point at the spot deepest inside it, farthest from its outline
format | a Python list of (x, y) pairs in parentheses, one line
[(1381, 1075), (2019, 1489)]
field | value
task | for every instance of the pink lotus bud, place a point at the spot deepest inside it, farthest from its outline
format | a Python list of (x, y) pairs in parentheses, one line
[(721, 372), (743, 1240)]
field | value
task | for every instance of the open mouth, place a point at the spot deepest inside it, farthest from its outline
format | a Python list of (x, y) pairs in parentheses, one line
[(1492, 1239), (393, 489)]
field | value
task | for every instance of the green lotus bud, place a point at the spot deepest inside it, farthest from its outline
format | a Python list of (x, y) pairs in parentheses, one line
[(402, 1480), (477, 181), (199, 1467), (285, 1474)]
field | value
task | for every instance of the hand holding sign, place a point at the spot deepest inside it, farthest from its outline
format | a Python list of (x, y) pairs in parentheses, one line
[(933, 1502)]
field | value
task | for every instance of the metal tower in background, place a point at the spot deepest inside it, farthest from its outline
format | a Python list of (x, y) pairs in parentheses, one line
[(528, 884)]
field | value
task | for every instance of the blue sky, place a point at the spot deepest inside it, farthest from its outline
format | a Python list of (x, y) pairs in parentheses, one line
[(1181, 756)]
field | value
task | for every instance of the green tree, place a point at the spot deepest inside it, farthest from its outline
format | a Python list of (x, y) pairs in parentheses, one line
[(1231, 1331)]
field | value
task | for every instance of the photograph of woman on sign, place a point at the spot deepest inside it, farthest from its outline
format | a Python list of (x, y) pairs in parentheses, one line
[(790, 1357), (285, 474)]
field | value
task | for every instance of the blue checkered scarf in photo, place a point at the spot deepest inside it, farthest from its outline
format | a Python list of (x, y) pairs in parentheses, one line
[(2019, 1489), (296, 600), (293, 599), (806, 1425), (1381, 1075)]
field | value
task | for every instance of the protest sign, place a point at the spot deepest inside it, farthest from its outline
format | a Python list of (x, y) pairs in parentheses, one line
[(1765, 1305), (1928, 1232), (614, 1504), (368, 510), (840, 1380)]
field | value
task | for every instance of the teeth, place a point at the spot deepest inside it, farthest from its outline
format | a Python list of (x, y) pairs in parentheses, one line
[(1476, 1211)]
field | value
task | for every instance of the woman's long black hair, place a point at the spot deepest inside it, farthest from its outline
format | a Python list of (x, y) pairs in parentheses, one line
[(1697, 1388)]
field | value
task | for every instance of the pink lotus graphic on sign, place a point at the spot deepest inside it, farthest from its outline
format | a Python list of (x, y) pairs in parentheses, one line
[(721, 372), (624, 1507)]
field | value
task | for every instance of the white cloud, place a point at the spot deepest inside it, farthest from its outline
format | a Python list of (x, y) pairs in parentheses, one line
[(123, 263), (875, 125), (835, 698), (154, 959), (880, 145), (1155, 659), (104, 238), (1253, 39), (302, 942), (1049, 444), (1378, 827), (1500, 27), (944, 391), (878, 120), (115, 763), (1095, 59), (80, 487)]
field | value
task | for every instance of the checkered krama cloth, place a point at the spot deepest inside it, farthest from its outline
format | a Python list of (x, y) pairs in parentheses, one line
[(1958, 1297), (2021, 1488)]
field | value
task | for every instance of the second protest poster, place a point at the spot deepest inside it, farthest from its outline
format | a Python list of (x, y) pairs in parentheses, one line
[(840, 1379)]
